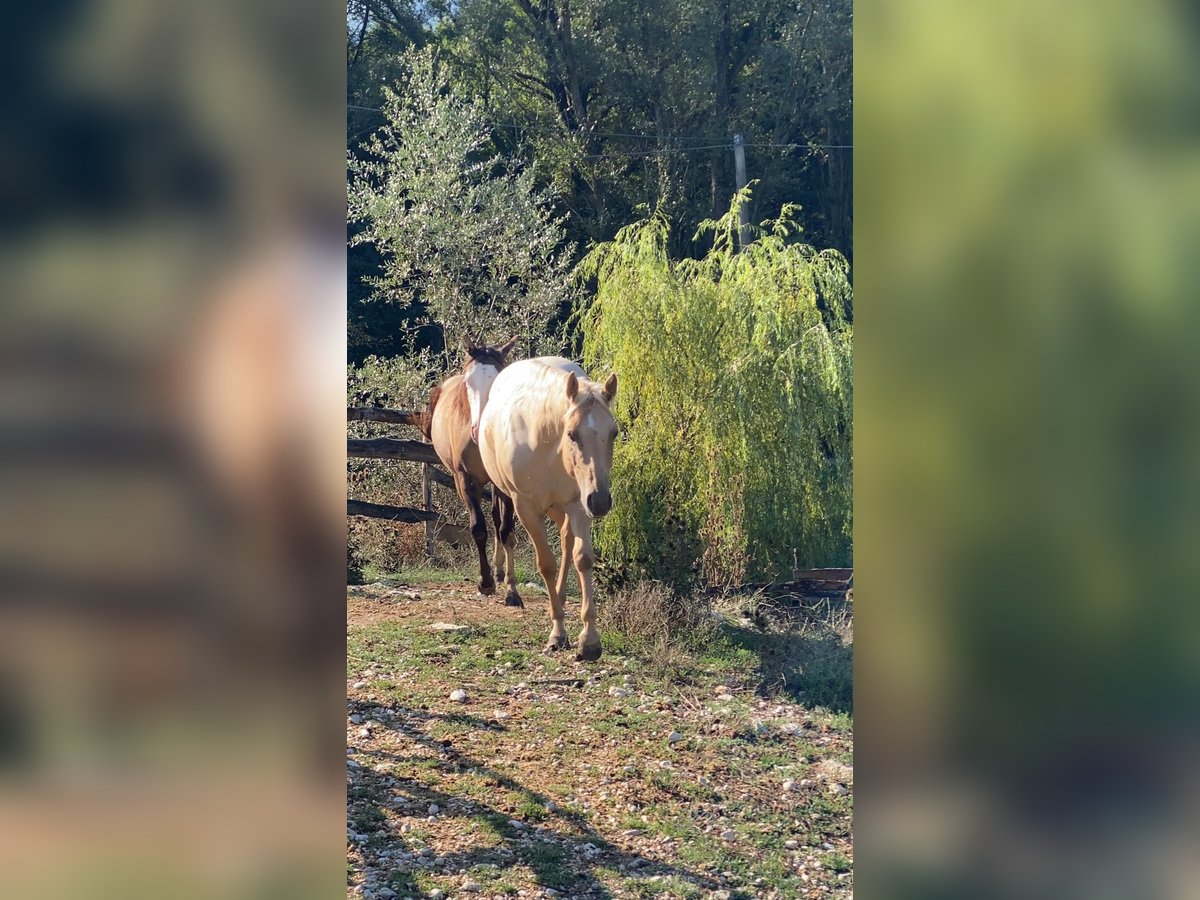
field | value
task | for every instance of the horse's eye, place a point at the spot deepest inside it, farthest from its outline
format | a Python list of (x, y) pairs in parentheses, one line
[(574, 436)]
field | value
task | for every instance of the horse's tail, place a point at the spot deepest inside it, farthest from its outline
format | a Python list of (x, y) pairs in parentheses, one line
[(424, 419)]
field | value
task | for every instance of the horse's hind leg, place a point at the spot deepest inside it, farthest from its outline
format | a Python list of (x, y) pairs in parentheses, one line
[(567, 539), (506, 537), (498, 552), (487, 584), (535, 523)]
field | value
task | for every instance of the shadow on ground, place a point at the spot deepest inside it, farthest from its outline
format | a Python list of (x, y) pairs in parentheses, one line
[(809, 658), (567, 862)]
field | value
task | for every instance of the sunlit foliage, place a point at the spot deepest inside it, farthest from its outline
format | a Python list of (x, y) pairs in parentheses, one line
[(463, 233), (735, 396)]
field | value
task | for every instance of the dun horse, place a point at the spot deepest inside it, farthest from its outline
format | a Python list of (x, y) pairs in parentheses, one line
[(450, 421), (546, 438)]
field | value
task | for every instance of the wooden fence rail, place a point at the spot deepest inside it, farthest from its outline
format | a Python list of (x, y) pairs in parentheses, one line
[(374, 414), (391, 448), (392, 513), (407, 451)]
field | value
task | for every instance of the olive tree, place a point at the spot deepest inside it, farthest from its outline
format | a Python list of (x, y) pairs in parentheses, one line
[(464, 233)]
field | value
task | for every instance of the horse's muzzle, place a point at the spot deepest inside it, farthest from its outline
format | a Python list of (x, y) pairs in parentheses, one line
[(599, 503)]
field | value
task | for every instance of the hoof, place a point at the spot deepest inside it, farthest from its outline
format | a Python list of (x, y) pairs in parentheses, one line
[(514, 599), (487, 587), (554, 646), (588, 654)]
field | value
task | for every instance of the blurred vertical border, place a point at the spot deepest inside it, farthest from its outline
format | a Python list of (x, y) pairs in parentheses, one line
[(1027, 458), (172, 369)]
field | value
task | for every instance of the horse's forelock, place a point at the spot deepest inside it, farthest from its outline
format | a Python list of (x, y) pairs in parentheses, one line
[(486, 356), (589, 395)]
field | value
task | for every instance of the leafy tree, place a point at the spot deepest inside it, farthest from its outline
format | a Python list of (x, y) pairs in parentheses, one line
[(629, 106), (463, 233), (735, 397)]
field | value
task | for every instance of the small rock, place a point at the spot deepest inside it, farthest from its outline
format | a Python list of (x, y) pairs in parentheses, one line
[(827, 846), (721, 895), (471, 887), (703, 781), (551, 807), (789, 785), (434, 809), (436, 894), (674, 737), (617, 692), (364, 732), (405, 828), (446, 626), (517, 823), (356, 719), (792, 844), (806, 782), (386, 894), (431, 819), (424, 853), (729, 835), (359, 685), (838, 789), (458, 696)]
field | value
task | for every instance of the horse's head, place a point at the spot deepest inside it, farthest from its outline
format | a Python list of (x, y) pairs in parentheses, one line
[(482, 366), (587, 443)]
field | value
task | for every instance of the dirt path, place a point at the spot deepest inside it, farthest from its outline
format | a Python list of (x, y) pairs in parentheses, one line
[(623, 778)]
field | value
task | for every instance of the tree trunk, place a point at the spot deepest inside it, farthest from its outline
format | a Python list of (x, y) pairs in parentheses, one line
[(722, 181)]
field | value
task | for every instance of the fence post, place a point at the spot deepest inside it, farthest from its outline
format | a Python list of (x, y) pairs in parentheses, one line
[(427, 503)]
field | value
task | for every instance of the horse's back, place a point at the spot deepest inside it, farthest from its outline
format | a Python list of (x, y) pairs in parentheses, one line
[(561, 363), (522, 425)]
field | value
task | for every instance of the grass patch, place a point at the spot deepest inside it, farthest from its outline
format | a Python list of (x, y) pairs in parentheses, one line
[(573, 743)]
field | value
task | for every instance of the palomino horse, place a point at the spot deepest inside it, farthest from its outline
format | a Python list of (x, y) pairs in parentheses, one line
[(449, 422), (546, 438)]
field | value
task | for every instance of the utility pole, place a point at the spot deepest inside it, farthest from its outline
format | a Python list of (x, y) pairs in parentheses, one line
[(739, 165)]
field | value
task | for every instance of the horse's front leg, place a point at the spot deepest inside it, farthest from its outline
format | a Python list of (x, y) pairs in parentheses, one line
[(535, 523), (585, 560), (487, 584)]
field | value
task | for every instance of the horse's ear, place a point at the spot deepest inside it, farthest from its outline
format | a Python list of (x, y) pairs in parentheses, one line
[(507, 346), (572, 387), (610, 387)]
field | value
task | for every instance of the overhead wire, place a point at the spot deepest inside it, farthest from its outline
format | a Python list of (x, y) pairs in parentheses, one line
[(723, 144)]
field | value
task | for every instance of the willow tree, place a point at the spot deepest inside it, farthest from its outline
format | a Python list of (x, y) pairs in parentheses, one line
[(735, 400)]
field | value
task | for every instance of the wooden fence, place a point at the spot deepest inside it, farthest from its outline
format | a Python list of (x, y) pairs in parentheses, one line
[(809, 583), (407, 451)]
